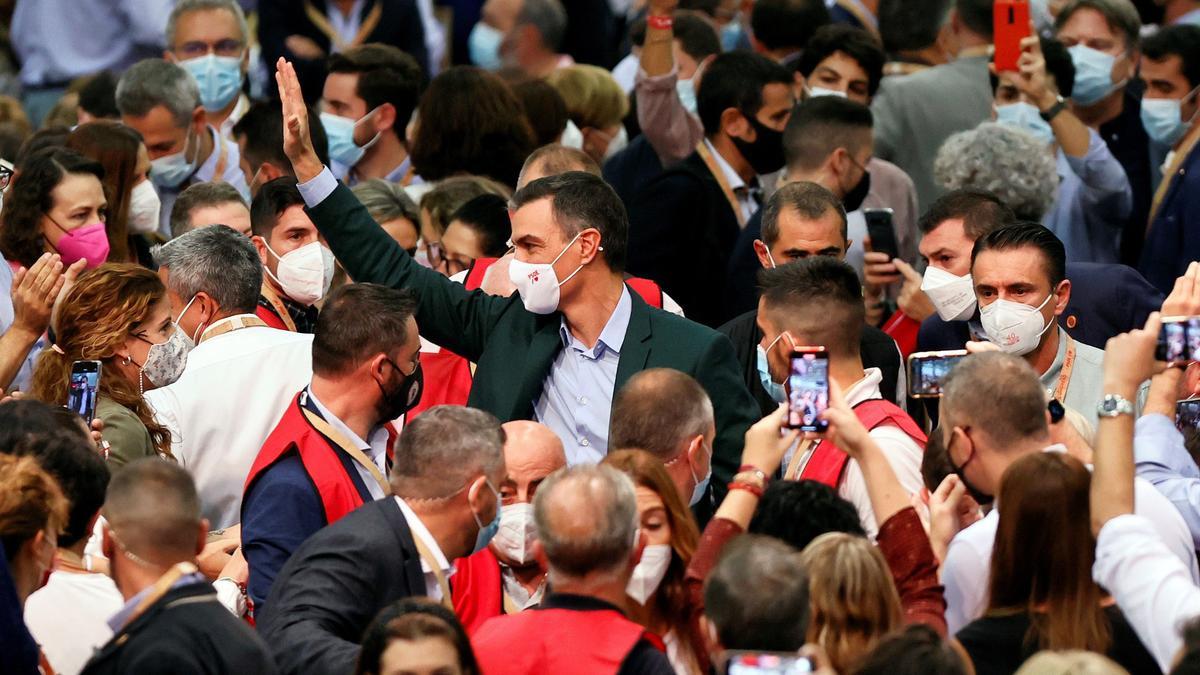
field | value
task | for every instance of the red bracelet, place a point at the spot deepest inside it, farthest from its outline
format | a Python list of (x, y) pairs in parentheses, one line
[(659, 22), (752, 489)]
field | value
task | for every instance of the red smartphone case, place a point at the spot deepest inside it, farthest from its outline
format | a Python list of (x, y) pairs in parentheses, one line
[(1011, 25)]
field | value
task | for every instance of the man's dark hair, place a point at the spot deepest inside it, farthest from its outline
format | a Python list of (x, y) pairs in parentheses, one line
[(696, 35), (261, 132), (976, 15), (154, 509), (1181, 40), (1031, 234), (273, 198), (818, 297), (735, 80), (54, 436), (487, 216), (787, 24), (385, 75), (911, 25), (915, 650), (357, 322), (757, 596), (549, 17), (808, 199), (1058, 64), (657, 410), (821, 125), (98, 96), (201, 195), (580, 200), (852, 41), (796, 512), (1121, 15), (981, 212)]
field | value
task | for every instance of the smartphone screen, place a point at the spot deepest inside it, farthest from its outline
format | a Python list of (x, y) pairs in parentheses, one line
[(927, 371), (1179, 339), (767, 663), (83, 387), (881, 231), (808, 389), (1010, 23), (1187, 420)]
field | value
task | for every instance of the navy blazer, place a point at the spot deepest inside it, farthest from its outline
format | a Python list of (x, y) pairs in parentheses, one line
[(1173, 240)]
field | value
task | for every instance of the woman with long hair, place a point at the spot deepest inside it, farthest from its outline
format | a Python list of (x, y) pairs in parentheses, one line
[(133, 205), (658, 597), (117, 314), (416, 635), (1042, 595)]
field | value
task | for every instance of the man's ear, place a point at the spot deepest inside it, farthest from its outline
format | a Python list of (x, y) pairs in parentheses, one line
[(202, 535), (199, 120), (695, 450), (385, 117), (1063, 297), (260, 245), (735, 124), (763, 253), (269, 172)]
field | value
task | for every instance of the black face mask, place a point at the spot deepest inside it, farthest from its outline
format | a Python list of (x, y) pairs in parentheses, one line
[(857, 194), (765, 154), (980, 497), (404, 397)]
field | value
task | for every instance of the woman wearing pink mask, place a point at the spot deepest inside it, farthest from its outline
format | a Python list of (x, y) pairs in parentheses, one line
[(55, 204)]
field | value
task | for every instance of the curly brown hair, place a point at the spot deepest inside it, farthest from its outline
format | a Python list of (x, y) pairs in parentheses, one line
[(104, 307)]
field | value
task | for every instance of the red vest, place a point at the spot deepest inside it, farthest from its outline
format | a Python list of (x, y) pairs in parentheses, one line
[(828, 462), (477, 589), (556, 641), (270, 318)]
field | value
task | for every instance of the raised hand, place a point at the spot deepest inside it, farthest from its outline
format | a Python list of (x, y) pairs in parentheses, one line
[(765, 445), (1129, 358), (913, 301), (34, 292), (1184, 299), (297, 141)]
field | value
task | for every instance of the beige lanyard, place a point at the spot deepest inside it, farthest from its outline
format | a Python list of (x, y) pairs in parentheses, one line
[(715, 169), (159, 589), (1064, 375), (431, 561), (344, 443), (231, 324), (278, 306), (322, 24), (799, 459), (222, 155)]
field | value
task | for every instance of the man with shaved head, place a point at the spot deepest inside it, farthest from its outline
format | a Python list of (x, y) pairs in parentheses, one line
[(666, 413), (553, 159), (588, 537), (171, 618), (506, 577)]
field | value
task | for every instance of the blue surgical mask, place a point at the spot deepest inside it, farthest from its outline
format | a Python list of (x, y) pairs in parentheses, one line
[(340, 133), (687, 94), (1025, 117), (774, 389), (1093, 74), (219, 79), (731, 36), (701, 488), (170, 171), (1163, 119), (483, 46), (486, 532)]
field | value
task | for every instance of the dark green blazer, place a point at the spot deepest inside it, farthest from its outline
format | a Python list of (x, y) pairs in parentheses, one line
[(514, 349)]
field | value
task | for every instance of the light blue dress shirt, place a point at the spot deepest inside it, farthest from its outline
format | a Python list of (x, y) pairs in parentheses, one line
[(577, 393), (1164, 462), (1094, 202)]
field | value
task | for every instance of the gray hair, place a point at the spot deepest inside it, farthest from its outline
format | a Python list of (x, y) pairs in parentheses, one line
[(549, 17), (586, 518), (772, 612), (1008, 162), (184, 6), (444, 448), (1121, 15), (154, 82), (198, 196), (998, 394), (217, 260), (657, 411), (386, 201)]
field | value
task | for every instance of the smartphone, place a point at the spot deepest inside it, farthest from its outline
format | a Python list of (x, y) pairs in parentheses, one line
[(927, 371), (1010, 24), (1187, 420), (83, 388), (1179, 339), (882, 232), (808, 389), (767, 663)]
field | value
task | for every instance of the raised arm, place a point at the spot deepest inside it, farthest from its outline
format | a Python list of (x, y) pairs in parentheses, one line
[(34, 292)]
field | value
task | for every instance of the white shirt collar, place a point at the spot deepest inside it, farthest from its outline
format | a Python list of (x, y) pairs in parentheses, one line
[(735, 181), (376, 449), (865, 389), (419, 530)]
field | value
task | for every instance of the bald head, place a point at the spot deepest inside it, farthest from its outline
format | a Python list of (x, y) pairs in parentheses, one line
[(153, 508), (553, 159), (660, 410), (586, 520), (531, 452)]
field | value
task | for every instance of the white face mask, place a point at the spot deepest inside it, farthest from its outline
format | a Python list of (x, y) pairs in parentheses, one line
[(952, 295), (305, 273), (514, 540), (144, 209), (814, 92), (649, 573), (1014, 327), (571, 137), (538, 283)]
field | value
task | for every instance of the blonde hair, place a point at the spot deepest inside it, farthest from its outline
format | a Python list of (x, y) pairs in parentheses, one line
[(593, 97), (854, 602), (30, 502), (1072, 662)]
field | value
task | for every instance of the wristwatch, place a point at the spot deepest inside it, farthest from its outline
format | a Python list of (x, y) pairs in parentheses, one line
[(1059, 106), (1113, 405)]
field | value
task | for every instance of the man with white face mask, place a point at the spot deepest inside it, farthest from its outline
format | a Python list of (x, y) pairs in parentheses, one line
[(506, 577), (297, 265)]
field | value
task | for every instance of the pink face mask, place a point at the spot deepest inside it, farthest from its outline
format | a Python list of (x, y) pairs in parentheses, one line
[(86, 242)]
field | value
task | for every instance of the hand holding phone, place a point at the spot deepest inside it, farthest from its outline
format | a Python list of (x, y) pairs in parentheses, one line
[(1178, 340), (83, 387), (808, 389), (882, 232), (928, 370), (1010, 24)]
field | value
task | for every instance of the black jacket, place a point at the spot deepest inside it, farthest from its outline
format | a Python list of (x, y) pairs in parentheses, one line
[(878, 351), (186, 631), (681, 230), (334, 585)]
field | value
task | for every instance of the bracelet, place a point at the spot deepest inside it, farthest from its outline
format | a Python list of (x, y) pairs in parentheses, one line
[(660, 22), (752, 489)]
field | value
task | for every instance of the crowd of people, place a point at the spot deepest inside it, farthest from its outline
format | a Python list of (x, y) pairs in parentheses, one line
[(456, 337)]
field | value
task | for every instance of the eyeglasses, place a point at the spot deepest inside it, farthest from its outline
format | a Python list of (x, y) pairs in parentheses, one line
[(6, 175), (196, 49), (438, 257)]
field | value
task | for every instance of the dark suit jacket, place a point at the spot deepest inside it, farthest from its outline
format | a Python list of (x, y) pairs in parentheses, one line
[(878, 351), (1173, 240), (333, 586), (186, 631), (631, 168), (18, 651), (741, 283), (1106, 300), (400, 26), (681, 230), (514, 349)]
